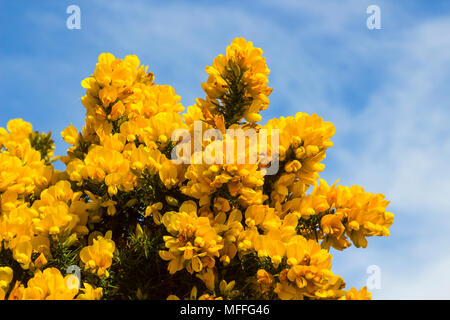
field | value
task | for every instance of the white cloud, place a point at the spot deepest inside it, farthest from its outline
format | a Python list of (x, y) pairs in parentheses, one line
[(403, 151)]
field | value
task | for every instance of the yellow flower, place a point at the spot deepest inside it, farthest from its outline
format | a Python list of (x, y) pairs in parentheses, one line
[(6, 276), (243, 181), (353, 294), (60, 210), (22, 251), (221, 204), (254, 215), (70, 135), (333, 228), (16, 292), (243, 65), (265, 281), (344, 212), (23, 169), (45, 285), (331, 224), (194, 242), (227, 289), (89, 293), (308, 273), (40, 261), (286, 291), (308, 137), (169, 173), (154, 211), (98, 256), (208, 277), (19, 128), (272, 246)]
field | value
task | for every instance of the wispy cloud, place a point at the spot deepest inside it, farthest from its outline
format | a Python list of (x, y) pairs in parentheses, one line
[(402, 150)]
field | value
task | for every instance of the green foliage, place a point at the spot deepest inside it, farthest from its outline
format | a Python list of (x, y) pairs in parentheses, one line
[(43, 143)]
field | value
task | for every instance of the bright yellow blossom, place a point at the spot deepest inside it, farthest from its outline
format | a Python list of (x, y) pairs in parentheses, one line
[(354, 294), (98, 256), (194, 242), (89, 293), (46, 285), (6, 276)]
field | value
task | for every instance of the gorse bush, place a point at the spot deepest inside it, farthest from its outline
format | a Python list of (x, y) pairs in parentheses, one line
[(137, 224)]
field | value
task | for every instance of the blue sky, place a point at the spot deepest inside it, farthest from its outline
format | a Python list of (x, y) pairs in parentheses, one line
[(385, 90)]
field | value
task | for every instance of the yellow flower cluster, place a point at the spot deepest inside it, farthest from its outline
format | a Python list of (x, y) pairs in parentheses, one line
[(241, 181), (129, 123), (303, 142), (23, 172), (26, 229), (307, 267), (197, 238), (308, 273), (51, 285), (242, 71), (194, 243), (137, 223), (343, 211), (30, 212), (37, 207)]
